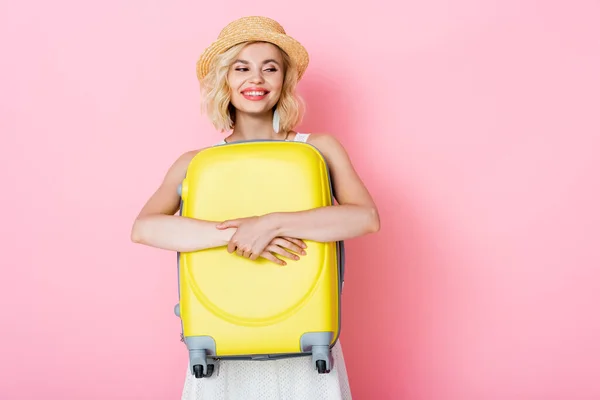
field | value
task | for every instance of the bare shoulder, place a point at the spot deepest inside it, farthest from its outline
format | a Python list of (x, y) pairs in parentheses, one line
[(348, 186), (165, 199), (331, 148), (320, 138), (179, 167)]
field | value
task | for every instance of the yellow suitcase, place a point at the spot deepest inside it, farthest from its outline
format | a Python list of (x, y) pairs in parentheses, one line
[(235, 308)]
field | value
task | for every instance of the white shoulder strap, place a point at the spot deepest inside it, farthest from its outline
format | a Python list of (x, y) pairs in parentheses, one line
[(301, 137)]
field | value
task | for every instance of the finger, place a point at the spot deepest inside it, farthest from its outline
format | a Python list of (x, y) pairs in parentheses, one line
[(231, 246), (222, 225), (232, 223), (247, 253), (269, 256), (243, 251), (283, 252), (259, 247), (288, 245), (298, 242)]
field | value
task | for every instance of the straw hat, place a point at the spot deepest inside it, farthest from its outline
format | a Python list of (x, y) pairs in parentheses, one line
[(253, 29)]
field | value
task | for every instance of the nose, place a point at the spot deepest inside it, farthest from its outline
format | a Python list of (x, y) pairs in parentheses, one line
[(257, 77)]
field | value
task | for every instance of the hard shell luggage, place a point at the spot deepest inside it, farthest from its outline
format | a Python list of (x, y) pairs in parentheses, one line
[(232, 307)]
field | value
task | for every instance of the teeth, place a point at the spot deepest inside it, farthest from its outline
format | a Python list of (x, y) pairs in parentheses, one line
[(255, 93)]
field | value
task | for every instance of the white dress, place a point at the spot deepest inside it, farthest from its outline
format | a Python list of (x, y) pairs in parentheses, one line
[(284, 379)]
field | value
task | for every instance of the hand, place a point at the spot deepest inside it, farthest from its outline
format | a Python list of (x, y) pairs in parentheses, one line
[(283, 246), (252, 236)]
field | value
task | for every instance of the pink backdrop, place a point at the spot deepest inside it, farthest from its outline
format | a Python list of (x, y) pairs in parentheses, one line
[(474, 123)]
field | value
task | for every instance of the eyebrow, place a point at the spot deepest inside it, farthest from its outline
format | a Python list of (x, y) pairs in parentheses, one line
[(264, 62)]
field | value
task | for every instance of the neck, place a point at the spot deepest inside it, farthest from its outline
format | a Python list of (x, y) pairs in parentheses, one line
[(255, 127)]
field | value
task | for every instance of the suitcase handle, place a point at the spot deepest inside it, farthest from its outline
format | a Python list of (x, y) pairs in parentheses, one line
[(342, 262)]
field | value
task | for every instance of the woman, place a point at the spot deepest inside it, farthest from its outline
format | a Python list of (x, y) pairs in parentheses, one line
[(248, 77)]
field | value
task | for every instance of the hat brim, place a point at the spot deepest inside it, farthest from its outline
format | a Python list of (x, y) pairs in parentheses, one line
[(291, 46)]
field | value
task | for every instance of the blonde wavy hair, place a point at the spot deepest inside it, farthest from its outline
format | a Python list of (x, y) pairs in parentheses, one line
[(216, 98)]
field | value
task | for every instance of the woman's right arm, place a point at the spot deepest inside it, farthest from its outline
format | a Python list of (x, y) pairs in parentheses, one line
[(157, 226)]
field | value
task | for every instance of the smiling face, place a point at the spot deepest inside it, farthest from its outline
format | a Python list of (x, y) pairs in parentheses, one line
[(256, 78)]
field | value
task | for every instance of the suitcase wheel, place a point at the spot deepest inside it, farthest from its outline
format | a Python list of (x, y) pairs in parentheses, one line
[(321, 358), (199, 371), (322, 367)]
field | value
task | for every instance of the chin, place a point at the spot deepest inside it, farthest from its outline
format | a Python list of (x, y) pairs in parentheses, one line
[(254, 109), (251, 111), (253, 106)]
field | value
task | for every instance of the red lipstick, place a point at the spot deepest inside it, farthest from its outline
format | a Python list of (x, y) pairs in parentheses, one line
[(255, 93)]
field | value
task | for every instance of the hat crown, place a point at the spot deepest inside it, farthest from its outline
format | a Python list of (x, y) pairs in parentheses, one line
[(252, 23), (253, 29)]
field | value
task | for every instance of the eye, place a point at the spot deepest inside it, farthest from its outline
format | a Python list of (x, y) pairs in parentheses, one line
[(241, 69), (271, 69)]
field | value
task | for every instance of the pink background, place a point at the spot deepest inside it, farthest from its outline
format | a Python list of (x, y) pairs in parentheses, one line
[(474, 123)]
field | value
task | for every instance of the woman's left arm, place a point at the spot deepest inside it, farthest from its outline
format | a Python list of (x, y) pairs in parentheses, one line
[(355, 215)]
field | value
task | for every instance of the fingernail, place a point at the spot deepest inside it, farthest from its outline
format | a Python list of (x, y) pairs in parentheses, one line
[(296, 258), (303, 253)]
